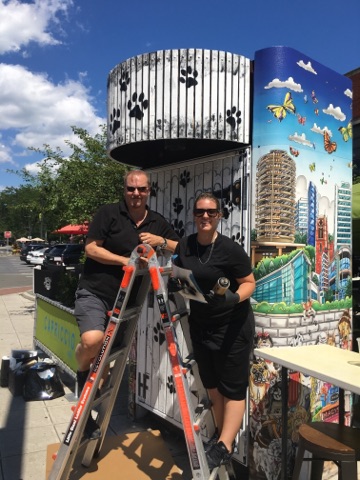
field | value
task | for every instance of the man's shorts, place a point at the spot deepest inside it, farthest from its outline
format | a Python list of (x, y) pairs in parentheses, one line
[(90, 311)]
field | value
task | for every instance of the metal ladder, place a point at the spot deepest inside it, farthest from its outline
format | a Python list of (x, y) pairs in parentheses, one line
[(121, 328)]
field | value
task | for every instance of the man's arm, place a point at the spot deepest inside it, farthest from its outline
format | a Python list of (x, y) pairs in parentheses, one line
[(158, 241), (95, 251)]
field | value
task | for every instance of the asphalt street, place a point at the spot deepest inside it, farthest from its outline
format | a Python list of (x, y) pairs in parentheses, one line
[(14, 273)]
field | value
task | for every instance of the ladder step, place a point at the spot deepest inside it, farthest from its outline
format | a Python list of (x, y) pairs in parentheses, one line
[(188, 364), (178, 314), (201, 410), (224, 472)]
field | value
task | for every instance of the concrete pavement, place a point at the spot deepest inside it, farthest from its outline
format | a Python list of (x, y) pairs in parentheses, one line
[(27, 428)]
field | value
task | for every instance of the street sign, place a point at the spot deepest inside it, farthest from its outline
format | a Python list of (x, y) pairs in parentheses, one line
[(7, 234)]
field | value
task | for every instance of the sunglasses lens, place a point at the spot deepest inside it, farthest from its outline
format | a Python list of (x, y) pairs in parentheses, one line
[(139, 189), (212, 212), (200, 212)]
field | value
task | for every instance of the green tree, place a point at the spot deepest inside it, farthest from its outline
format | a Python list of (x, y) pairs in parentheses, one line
[(86, 179), (66, 189)]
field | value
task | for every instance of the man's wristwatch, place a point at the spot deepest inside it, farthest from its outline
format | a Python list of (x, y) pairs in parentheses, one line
[(164, 244)]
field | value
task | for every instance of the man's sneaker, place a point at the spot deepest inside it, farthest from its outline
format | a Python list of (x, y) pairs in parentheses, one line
[(214, 439), (218, 455), (92, 430)]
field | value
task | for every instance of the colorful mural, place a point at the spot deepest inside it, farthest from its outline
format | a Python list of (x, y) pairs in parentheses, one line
[(301, 238)]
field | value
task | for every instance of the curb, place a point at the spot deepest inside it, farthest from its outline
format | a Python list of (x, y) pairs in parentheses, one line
[(29, 295)]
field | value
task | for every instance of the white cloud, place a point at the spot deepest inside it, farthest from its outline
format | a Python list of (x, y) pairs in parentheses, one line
[(300, 139), (306, 66), (22, 23), (348, 93), (5, 153), (335, 112), (320, 130), (289, 83), (36, 111)]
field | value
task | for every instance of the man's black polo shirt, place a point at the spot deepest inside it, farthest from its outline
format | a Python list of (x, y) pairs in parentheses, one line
[(113, 225)]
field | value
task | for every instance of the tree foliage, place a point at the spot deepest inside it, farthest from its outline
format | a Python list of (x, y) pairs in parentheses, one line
[(66, 189)]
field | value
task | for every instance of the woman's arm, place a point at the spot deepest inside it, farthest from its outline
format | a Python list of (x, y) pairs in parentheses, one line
[(246, 286)]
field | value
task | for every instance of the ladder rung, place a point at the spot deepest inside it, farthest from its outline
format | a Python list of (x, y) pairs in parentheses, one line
[(115, 353), (201, 411), (130, 313), (188, 365), (179, 314)]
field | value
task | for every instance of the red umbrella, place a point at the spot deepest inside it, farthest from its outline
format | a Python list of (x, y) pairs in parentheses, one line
[(74, 229)]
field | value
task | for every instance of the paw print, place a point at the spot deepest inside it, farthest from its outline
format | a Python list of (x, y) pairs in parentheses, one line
[(170, 384), (124, 81), (226, 212), (154, 189), (231, 120), (137, 111), (177, 204), (184, 178), (159, 335), (238, 239), (178, 227), (236, 193), (188, 77), (114, 120)]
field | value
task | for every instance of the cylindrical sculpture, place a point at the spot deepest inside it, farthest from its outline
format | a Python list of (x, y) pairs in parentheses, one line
[(159, 103)]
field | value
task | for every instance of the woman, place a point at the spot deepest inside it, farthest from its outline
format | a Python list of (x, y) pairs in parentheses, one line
[(222, 330)]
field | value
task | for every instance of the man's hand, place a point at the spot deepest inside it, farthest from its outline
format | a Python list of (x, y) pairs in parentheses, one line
[(150, 239), (228, 300)]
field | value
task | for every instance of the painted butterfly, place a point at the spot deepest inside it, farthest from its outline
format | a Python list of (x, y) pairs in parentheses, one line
[(280, 111), (346, 132), (329, 146), (301, 119), (294, 152)]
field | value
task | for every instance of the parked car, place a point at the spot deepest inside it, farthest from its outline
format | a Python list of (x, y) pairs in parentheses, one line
[(64, 254), (29, 248), (36, 257)]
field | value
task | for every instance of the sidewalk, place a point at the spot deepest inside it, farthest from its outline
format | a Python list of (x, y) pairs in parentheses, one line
[(27, 428)]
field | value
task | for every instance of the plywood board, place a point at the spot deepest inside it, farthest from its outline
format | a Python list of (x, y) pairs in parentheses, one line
[(134, 456)]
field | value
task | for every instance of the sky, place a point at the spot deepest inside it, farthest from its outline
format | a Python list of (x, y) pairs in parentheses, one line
[(55, 55)]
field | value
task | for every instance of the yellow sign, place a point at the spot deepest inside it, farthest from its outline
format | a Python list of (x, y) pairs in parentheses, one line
[(57, 330)]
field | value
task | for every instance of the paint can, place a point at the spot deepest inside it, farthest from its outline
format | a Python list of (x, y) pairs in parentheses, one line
[(221, 286)]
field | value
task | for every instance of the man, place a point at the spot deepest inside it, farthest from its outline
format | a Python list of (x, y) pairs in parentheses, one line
[(114, 232)]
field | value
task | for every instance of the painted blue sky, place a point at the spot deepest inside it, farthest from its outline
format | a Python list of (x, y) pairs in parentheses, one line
[(296, 101), (55, 55)]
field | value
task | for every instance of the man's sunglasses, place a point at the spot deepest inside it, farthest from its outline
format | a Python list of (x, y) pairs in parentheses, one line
[(139, 189), (200, 212)]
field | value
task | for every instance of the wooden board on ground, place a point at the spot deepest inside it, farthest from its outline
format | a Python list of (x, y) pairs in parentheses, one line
[(134, 456)]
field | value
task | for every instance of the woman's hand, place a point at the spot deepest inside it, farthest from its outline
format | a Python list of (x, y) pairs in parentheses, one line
[(228, 300)]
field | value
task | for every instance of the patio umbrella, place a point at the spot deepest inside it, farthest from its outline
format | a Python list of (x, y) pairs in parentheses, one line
[(37, 239), (74, 229), (22, 239)]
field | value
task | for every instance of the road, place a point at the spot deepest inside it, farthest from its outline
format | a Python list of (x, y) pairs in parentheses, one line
[(15, 276)]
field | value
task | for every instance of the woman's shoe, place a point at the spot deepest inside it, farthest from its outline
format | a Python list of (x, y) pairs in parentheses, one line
[(218, 455), (214, 439)]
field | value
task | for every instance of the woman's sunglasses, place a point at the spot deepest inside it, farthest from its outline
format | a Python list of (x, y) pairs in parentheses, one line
[(139, 189), (200, 212)]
